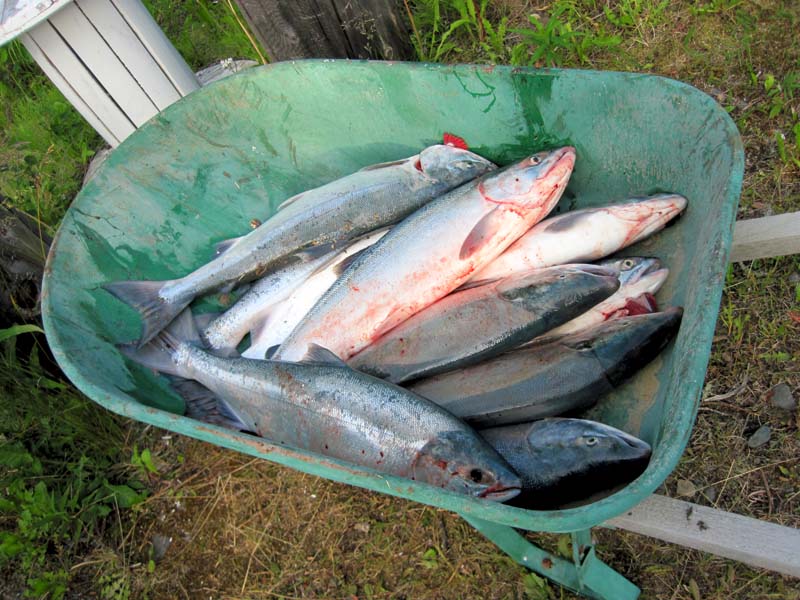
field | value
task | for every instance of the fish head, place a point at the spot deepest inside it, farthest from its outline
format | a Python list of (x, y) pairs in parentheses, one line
[(649, 214), (577, 285), (632, 268), (462, 462), (625, 345), (583, 455), (452, 165), (534, 182)]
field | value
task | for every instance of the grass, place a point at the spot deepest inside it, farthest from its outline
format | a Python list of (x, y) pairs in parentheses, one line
[(204, 521)]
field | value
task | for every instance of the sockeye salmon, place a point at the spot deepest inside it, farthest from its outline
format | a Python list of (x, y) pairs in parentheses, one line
[(639, 279), (563, 461), (331, 214), (552, 378), (431, 253), (472, 325)]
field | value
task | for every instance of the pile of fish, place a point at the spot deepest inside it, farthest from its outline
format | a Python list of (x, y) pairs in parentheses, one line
[(424, 318)]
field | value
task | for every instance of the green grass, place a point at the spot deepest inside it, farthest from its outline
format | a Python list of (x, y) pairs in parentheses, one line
[(68, 475), (64, 474), (247, 528)]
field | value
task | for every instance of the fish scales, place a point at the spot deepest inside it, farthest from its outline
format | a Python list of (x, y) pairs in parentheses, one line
[(431, 253), (326, 215)]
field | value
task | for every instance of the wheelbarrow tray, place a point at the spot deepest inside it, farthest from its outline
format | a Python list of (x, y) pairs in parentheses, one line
[(203, 169)]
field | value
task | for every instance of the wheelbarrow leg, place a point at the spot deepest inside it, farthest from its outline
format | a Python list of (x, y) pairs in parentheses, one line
[(586, 574)]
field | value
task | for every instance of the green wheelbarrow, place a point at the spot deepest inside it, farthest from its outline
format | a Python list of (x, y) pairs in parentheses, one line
[(202, 170)]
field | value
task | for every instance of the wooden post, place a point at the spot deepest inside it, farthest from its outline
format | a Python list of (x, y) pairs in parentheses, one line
[(375, 29)]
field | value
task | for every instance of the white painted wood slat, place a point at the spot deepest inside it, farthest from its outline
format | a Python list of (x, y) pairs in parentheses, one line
[(745, 539), (79, 33), (173, 65), (72, 96), (61, 57), (118, 34), (778, 235)]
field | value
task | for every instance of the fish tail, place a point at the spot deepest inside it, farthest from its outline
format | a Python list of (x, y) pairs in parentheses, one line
[(159, 353), (144, 296), (204, 405)]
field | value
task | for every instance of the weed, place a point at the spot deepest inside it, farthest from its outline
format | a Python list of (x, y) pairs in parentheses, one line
[(62, 475), (713, 7), (536, 588), (203, 31), (631, 14), (556, 40), (143, 461)]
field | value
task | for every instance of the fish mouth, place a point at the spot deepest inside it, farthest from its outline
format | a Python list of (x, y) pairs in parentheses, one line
[(500, 493), (655, 279), (651, 264), (562, 164), (563, 161), (671, 207)]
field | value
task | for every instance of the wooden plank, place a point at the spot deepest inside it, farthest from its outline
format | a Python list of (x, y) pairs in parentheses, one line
[(329, 28), (131, 52), (19, 16), (72, 96), (778, 235), (84, 40), (748, 540), (61, 65), (157, 44)]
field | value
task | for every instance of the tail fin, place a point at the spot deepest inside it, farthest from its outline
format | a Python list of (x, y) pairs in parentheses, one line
[(155, 312), (158, 354), (204, 405)]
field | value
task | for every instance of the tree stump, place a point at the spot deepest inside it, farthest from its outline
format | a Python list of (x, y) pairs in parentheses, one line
[(372, 29), (23, 251)]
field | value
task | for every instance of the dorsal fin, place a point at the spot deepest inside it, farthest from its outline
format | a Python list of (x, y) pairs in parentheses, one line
[(225, 245), (290, 201), (383, 165), (316, 354), (342, 266)]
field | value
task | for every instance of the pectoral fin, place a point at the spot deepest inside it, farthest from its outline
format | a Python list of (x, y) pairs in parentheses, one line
[(484, 230)]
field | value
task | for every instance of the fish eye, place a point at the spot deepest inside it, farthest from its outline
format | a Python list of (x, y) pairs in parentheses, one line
[(535, 160), (562, 276), (476, 475), (627, 263), (591, 441), (584, 345)]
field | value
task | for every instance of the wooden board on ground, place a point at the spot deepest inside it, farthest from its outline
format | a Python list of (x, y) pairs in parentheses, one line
[(778, 235), (745, 539)]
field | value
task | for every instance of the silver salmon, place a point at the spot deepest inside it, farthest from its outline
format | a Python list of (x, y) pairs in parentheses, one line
[(284, 317), (585, 235), (328, 408), (224, 333), (333, 213), (472, 325), (431, 253)]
